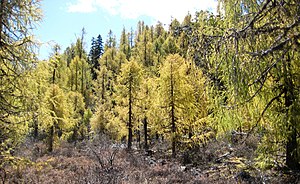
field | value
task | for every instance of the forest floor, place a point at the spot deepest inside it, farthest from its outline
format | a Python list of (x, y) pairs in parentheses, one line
[(102, 161)]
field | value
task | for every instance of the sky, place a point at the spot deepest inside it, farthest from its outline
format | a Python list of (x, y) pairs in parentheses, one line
[(63, 20)]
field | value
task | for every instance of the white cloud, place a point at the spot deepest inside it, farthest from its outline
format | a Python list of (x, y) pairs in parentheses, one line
[(161, 10), (82, 6)]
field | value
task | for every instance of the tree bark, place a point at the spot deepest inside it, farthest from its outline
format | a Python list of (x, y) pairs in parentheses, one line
[(103, 87), (139, 137), (173, 130), (35, 128), (145, 133), (51, 139), (76, 76), (2, 5), (291, 150), (51, 131), (130, 114), (172, 114), (145, 50), (82, 79), (292, 161)]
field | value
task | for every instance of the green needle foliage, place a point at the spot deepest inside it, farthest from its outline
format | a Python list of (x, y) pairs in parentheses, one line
[(129, 82), (17, 18), (233, 71)]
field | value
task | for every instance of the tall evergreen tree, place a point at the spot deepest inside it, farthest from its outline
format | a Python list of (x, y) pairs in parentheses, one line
[(128, 85), (124, 44), (17, 18), (95, 54), (111, 41), (175, 96), (258, 56)]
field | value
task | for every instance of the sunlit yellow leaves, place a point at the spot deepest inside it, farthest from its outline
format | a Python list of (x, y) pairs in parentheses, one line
[(182, 85)]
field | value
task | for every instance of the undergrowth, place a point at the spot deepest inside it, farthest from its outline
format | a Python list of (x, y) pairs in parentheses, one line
[(104, 161)]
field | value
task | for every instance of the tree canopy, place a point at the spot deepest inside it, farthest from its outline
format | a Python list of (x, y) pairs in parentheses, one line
[(188, 85)]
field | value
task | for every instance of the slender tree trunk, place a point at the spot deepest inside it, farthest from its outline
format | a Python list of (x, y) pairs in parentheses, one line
[(173, 130), (103, 87), (51, 139), (292, 160), (131, 38), (145, 133), (291, 146), (172, 114), (72, 82), (291, 150), (106, 63), (112, 54), (81, 43), (35, 128), (130, 115), (74, 136), (139, 137), (76, 76), (128, 52), (145, 50), (51, 131), (2, 5), (82, 79), (190, 134)]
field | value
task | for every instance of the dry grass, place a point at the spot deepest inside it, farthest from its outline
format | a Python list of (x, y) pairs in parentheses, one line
[(102, 161)]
